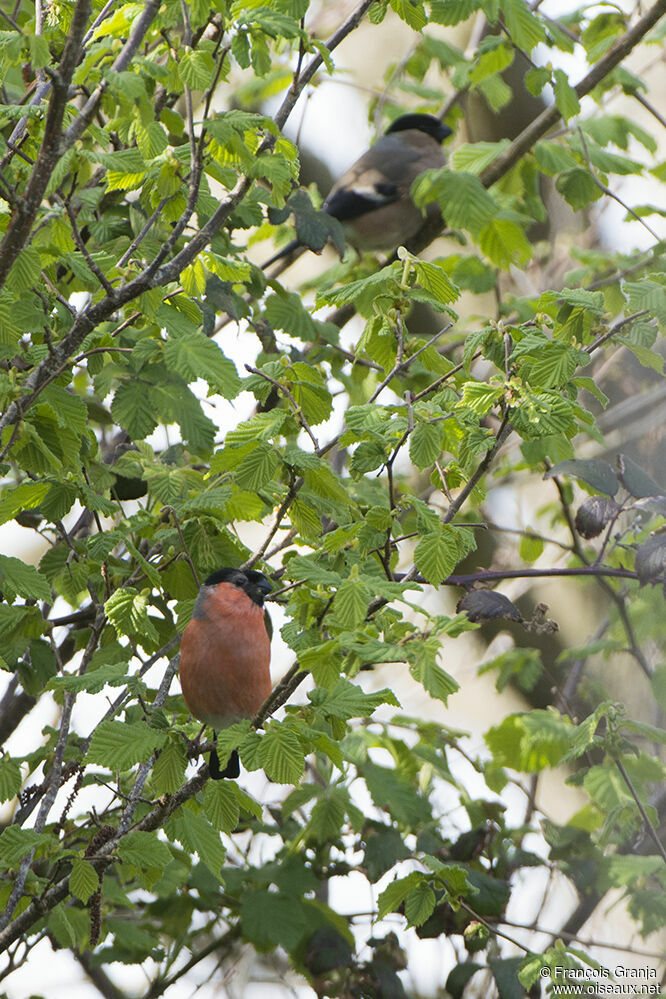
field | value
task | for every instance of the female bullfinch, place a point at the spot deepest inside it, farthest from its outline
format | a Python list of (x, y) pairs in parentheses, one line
[(225, 654), (372, 198)]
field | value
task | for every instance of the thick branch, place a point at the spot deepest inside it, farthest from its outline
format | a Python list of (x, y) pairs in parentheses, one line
[(545, 121)]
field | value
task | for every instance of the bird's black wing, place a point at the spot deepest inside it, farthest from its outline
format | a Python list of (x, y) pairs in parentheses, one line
[(349, 203)]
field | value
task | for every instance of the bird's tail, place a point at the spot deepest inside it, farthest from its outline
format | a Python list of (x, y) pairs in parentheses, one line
[(232, 769), (285, 252)]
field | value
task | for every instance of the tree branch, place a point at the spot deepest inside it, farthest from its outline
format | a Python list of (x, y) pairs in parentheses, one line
[(24, 216)]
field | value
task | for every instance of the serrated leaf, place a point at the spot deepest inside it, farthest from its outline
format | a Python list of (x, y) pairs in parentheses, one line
[(133, 409), (578, 188), (120, 745), (197, 835), (127, 611), (196, 356), (565, 96), (425, 444), (436, 556), (144, 850), (93, 681), (411, 12), (463, 199), (221, 805), (351, 602), (396, 892), (256, 469), (196, 69), (346, 700), (525, 29), (16, 843), (419, 904), (434, 679), (10, 778), (504, 243), (19, 579), (270, 920), (435, 280), (169, 770), (83, 879), (25, 271), (281, 754)]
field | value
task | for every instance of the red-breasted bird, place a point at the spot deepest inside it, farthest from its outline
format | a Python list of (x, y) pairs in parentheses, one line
[(372, 199), (225, 654)]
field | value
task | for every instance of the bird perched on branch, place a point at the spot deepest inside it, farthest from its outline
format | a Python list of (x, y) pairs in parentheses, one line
[(225, 654), (372, 199)]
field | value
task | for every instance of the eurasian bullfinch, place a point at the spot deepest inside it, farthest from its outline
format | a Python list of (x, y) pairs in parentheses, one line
[(372, 198), (225, 654)]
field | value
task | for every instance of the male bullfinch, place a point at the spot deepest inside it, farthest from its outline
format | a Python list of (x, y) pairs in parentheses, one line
[(225, 654), (372, 198)]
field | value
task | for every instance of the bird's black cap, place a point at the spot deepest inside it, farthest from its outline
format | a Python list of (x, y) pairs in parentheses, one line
[(422, 123), (254, 583)]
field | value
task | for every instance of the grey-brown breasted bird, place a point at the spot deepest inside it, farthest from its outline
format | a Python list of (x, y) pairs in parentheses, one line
[(225, 654), (372, 198)]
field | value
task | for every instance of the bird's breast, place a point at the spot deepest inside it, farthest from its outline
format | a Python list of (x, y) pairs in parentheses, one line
[(225, 657)]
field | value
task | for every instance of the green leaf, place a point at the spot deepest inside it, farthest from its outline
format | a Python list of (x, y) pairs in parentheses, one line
[(505, 243), (127, 611), (525, 29), (196, 69), (195, 356), (578, 187), (83, 880), (529, 743), (384, 848), (437, 554), (197, 835), (419, 904), (281, 754), (450, 12), (19, 579), (10, 778), (143, 850), (270, 920), (257, 468), (93, 681), (328, 815), (25, 271), (565, 96), (648, 295), (133, 408), (27, 496), (425, 444), (151, 139), (16, 843), (397, 891), (410, 12), (351, 602), (221, 805), (474, 157), (169, 770), (462, 198), (434, 679), (119, 745), (346, 700), (435, 280)]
